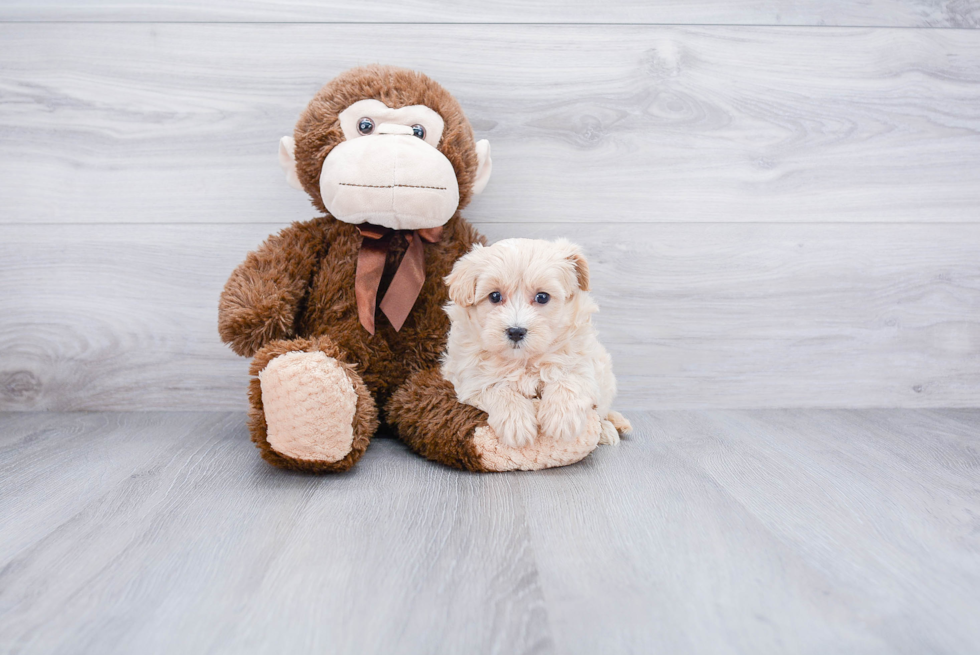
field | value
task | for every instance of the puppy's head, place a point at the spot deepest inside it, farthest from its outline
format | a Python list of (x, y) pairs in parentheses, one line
[(520, 296)]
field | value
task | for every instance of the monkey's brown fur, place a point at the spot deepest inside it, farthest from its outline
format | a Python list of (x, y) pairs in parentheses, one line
[(296, 292)]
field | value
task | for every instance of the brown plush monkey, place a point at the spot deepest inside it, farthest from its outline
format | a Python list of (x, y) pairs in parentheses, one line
[(343, 314)]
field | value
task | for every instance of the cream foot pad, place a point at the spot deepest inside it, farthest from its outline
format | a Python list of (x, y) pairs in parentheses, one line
[(309, 405), (545, 452)]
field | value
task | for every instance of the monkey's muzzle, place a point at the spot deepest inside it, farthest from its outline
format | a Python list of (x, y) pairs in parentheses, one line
[(389, 178)]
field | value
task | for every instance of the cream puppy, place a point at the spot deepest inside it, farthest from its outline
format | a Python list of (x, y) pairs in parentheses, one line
[(522, 346)]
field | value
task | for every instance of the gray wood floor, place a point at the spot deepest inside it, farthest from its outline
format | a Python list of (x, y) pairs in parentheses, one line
[(740, 531)]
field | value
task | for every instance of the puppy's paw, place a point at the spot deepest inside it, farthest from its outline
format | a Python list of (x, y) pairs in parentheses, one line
[(515, 425), (562, 414), (622, 425), (609, 436)]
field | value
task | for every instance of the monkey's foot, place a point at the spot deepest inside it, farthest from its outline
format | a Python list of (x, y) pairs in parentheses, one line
[(309, 404), (544, 452)]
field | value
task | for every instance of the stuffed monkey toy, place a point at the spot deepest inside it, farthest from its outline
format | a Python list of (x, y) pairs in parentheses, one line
[(343, 315)]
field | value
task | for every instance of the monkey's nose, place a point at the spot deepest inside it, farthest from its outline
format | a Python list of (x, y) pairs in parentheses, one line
[(515, 334)]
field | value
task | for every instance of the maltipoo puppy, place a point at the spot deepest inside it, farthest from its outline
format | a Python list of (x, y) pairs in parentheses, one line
[(522, 346)]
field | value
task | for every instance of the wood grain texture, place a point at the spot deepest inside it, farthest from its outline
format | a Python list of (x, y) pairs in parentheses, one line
[(727, 315), (772, 531), (178, 538), (898, 13), (798, 531), (174, 123)]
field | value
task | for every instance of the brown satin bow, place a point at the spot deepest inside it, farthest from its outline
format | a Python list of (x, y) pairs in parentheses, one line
[(405, 286)]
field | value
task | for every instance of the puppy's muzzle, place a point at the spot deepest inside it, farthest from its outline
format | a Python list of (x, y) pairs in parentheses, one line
[(516, 334)]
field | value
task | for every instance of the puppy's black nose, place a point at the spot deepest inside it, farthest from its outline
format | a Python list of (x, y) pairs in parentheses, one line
[(516, 334)]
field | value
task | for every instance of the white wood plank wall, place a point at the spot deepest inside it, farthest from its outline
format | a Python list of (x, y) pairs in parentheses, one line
[(893, 13), (781, 200)]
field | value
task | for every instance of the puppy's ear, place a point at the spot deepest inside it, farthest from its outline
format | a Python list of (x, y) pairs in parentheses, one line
[(581, 266), (581, 270), (462, 279)]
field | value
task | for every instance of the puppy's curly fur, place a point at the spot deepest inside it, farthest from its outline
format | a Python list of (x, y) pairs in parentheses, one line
[(522, 346)]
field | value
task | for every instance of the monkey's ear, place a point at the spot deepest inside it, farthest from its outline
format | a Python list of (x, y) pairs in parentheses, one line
[(484, 167), (461, 281), (287, 159)]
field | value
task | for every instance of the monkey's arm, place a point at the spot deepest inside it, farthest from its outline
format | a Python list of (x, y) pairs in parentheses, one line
[(432, 422), (261, 298)]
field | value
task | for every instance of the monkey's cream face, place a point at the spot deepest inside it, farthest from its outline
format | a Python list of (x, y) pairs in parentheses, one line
[(389, 171)]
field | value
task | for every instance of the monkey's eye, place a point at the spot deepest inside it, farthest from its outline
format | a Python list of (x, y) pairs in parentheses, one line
[(418, 131), (365, 125), (495, 297), (542, 298)]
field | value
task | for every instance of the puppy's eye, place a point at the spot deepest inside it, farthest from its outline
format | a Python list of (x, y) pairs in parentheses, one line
[(495, 297), (365, 125), (542, 298), (418, 131)]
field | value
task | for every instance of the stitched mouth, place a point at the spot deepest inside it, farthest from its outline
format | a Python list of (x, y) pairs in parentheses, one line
[(392, 186)]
